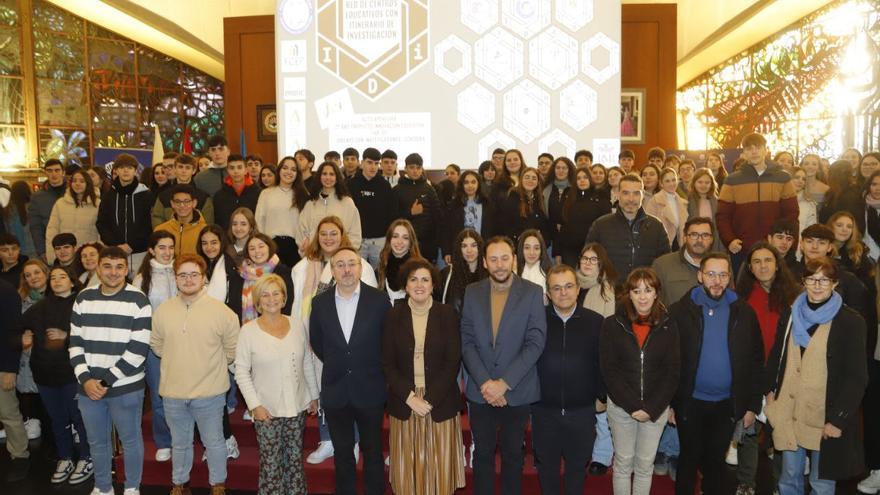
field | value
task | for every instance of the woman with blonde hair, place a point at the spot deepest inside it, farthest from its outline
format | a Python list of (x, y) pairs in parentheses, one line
[(669, 207), (401, 245), (242, 225), (276, 376), (702, 199), (851, 251)]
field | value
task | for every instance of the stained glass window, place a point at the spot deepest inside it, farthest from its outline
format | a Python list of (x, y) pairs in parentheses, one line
[(810, 88), (126, 88)]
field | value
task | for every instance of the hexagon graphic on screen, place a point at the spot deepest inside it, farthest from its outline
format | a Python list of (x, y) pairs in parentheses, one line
[(526, 111), (479, 15), (553, 58), (452, 59), (558, 137), (372, 46), (476, 108), (578, 105), (574, 14), (525, 17), (600, 57), (498, 58), (492, 140)]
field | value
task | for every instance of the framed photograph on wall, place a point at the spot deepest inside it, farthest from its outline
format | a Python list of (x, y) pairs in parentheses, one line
[(267, 123), (632, 115)]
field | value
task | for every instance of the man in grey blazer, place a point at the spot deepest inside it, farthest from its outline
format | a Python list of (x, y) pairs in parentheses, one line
[(503, 329)]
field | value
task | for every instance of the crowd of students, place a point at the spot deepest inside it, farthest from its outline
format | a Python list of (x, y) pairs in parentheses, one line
[(658, 320)]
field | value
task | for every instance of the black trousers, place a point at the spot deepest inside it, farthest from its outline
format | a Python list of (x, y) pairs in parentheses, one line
[(704, 433), (558, 436), (491, 426), (288, 252), (871, 405), (369, 424)]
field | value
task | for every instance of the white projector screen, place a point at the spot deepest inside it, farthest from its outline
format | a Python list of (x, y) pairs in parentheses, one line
[(449, 79)]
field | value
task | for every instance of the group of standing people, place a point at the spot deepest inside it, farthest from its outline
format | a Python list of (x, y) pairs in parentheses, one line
[(612, 309)]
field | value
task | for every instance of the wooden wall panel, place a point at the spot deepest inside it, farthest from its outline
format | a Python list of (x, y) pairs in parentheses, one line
[(249, 46), (648, 60)]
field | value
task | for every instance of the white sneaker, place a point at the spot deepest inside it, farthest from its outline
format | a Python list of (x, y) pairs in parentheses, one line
[(95, 491), (357, 453), (63, 470), (3, 434), (163, 455), (232, 448), (322, 453), (247, 416), (84, 470), (732, 457), (33, 428), (132, 491), (871, 484), (471, 458), (388, 461)]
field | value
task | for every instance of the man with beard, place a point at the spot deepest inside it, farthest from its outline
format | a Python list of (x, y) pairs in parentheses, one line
[(678, 271), (503, 331), (722, 365)]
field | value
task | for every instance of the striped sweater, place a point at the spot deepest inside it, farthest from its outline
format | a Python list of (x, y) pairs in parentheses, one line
[(110, 338)]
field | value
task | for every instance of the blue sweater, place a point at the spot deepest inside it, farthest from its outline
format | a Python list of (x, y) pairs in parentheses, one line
[(714, 372)]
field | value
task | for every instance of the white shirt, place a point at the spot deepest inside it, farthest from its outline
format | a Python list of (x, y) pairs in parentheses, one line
[(346, 309)]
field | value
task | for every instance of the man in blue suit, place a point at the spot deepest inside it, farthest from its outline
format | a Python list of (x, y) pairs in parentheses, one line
[(345, 330), (503, 329)]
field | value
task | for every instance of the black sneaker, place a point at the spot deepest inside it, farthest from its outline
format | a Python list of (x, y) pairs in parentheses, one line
[(598, 469), (18, 469)]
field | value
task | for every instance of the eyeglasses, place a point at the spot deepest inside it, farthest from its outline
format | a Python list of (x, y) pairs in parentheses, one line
[(189, 276), (716, 275), (821, 282), (182, 202), (560, 288), (590, 260), (340, 265), (699, 235)]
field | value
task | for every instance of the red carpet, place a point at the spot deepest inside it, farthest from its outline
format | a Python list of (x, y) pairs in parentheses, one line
[(243, 472)]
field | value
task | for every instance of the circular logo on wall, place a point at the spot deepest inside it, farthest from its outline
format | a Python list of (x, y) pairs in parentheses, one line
[(296, 15)]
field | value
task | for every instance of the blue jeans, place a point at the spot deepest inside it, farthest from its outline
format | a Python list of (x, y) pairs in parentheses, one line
[(183, 415), (60, 402), (603, 450), (791, 481), (123, 412), (161, 433), (669, 442)]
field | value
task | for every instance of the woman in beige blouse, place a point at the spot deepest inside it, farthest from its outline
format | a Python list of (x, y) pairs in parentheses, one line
[(276, 376)]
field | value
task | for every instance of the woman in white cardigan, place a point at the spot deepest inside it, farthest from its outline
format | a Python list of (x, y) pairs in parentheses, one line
[(76, 212), (276, 376), (332, 199), (670, 208)]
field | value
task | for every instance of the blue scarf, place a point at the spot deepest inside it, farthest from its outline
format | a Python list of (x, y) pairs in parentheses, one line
[(803, 317)]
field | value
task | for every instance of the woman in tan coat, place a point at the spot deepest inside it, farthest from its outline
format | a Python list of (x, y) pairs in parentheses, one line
[(669, 207), (76, 212)]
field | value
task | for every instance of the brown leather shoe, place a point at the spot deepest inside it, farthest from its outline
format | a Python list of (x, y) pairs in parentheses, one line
[(218, 489), (180, 490)]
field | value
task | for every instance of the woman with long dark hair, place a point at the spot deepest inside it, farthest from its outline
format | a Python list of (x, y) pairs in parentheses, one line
[(465, 268), (715, 163), (278, 210), (582, 205), (843, 193), (470, 209), (213, 247), (532, 258), (523, 208), (331, 199), (401, 244), (555, 190), (260, 258), (15, 217)]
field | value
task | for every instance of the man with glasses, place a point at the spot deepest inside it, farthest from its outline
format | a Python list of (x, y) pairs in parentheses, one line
[(109, 340), (195, 335), (184, 170), (678, 270), (187, 221), (564, 419), (722, 365), (345, 331)]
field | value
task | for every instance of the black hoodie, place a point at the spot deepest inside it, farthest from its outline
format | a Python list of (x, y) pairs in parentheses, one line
[(50, 365), (124, 215), (427, 224)]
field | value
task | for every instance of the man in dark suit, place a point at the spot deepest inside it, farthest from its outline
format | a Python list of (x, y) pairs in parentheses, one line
[(345, 330), (503, 330)]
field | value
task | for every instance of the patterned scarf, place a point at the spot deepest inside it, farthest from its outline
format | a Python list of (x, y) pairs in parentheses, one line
[(252, 272)]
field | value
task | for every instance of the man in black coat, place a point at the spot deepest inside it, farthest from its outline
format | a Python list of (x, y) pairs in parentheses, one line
[(42, 202), (632, 237), (376, 205), (564, 420), (722, 373), (345, 331), (238, 190), (10, 355), (11, 259), (124, 213)]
